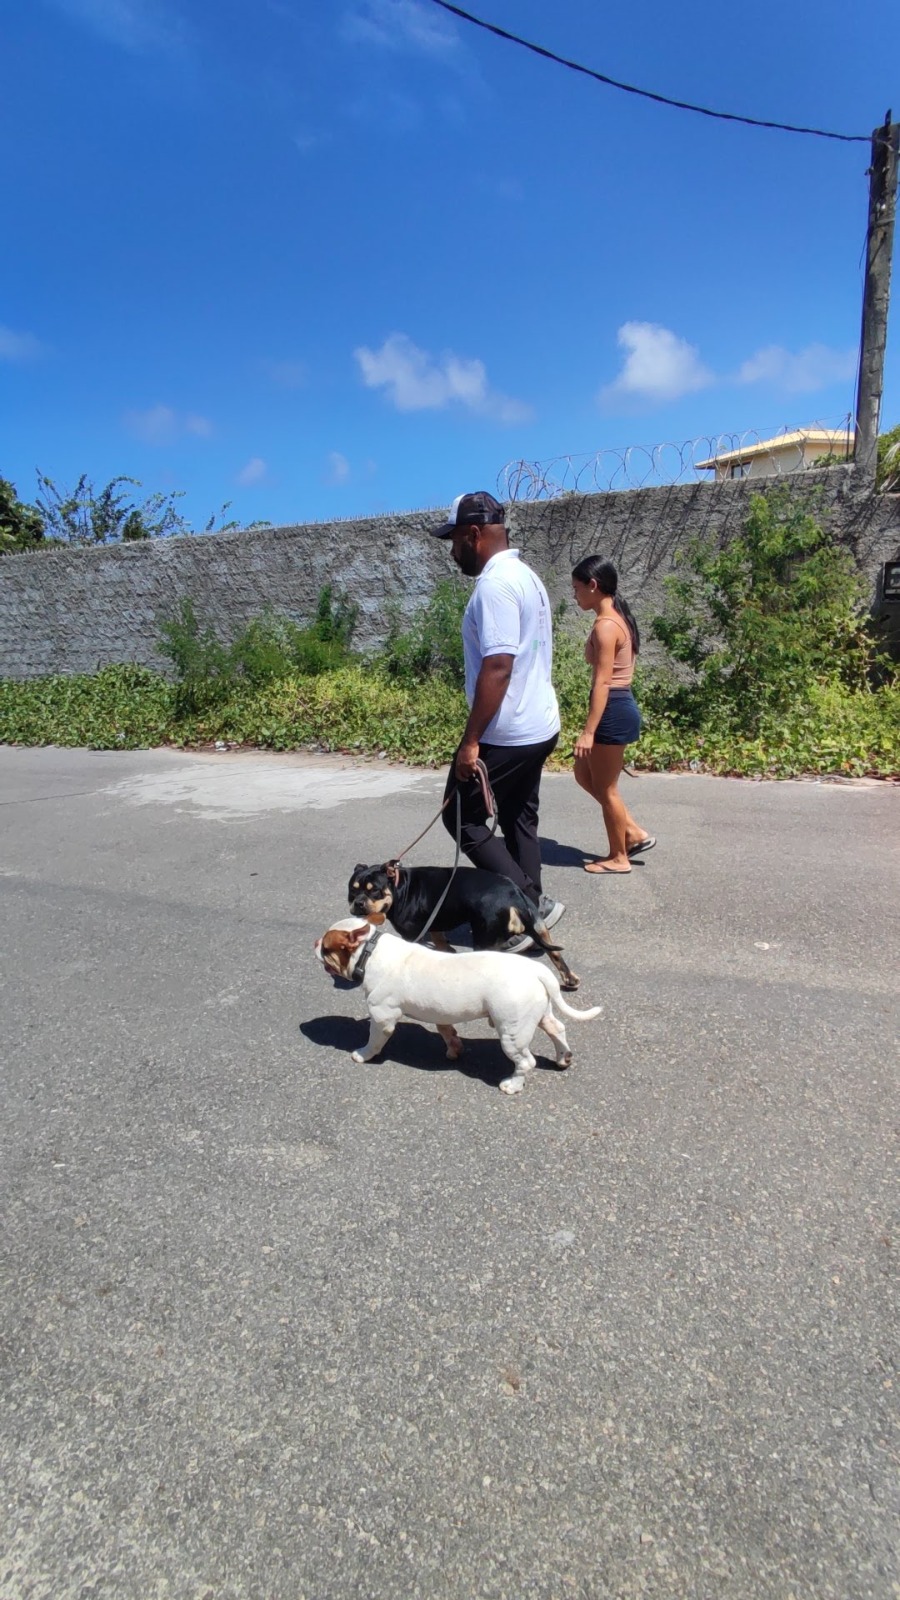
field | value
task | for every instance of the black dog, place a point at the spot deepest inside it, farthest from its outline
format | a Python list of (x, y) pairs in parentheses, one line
[(495, 909)]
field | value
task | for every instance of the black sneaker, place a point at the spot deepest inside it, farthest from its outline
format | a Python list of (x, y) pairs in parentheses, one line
[(550, 910)]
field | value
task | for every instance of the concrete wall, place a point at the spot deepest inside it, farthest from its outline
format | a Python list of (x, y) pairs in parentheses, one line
[(71, 611)]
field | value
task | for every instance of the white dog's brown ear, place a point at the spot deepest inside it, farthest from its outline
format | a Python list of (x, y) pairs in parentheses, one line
[(356, 935)]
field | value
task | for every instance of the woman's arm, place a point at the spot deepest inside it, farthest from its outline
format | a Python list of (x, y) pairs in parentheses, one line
[(603, 650)]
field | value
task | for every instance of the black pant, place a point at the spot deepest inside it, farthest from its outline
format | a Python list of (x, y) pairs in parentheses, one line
[(515, 849)]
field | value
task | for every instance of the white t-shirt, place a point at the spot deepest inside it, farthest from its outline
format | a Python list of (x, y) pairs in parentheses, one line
[(509, 614)]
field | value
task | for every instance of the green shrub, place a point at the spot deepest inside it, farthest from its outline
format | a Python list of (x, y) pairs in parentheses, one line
[(769, 674), (274, 647), (887, 471), (21, 526), (830, 730), (571, 676), (430, 643), (756, 622), (86, 516), (335, 618), (117, 708), (204, 668), (355, 708), (208, 672)]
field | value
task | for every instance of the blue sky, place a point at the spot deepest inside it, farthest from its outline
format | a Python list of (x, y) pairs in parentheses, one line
[(325, 259)]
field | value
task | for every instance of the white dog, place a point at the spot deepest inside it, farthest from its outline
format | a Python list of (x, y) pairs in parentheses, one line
[(408, 980)]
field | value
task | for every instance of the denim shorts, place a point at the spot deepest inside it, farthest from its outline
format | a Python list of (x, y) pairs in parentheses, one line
[(621, 721)]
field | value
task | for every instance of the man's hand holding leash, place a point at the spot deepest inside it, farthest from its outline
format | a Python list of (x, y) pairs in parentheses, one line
[(466, 760)]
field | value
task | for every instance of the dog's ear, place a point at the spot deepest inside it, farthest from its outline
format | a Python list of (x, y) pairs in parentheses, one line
[(356, 935), (359, 869)]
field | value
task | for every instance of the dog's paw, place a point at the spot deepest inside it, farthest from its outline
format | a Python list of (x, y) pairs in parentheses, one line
[(572, 982), (358, 1057), (513, 1085), (455, 1050), (564, 1061)]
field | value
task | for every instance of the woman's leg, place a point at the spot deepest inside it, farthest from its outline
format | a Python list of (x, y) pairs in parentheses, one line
[(606, 762), (634, 833), (582, 773)]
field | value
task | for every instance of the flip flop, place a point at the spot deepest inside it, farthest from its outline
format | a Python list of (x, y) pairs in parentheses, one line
[(645, 844), (599, 868)]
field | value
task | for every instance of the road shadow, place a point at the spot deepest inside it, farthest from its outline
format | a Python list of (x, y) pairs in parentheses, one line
[(554, 854), (411, 1045)]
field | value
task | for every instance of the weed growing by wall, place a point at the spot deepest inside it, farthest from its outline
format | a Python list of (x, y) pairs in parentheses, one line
[(771, 673), (208, 672), (118, 708), (432, 645)]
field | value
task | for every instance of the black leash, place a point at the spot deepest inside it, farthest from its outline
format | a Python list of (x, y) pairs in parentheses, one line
[(490, 806), (420, 936)]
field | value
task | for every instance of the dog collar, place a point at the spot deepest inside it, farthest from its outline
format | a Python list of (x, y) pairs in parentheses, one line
[(359, 971)]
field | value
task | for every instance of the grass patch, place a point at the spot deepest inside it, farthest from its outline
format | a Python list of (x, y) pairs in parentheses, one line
[(771, 672), (117, 708), (360, 709)]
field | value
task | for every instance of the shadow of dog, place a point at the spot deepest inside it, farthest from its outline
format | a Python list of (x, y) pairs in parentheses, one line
[(415, 1046)]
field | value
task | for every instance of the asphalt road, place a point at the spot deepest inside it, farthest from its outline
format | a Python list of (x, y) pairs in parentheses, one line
[(277, 1326)]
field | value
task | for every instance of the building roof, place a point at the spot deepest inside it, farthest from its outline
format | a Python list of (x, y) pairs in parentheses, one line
[(844, 438)]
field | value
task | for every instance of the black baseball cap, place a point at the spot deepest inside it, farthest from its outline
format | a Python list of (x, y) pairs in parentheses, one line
[(468, 508)]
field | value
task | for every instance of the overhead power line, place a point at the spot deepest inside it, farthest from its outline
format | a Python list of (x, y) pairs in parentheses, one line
[(645, 94)]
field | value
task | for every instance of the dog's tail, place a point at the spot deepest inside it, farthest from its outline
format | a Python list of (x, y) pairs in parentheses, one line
[(536, 926), (551, 984)]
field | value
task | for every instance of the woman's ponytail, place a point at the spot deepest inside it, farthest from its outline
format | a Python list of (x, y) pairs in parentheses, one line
[(627, 615)]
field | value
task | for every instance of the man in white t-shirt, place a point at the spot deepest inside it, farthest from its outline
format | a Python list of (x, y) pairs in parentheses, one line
[(513, 715)]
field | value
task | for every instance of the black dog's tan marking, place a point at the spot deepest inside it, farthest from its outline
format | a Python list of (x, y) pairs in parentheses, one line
[(494, 907)]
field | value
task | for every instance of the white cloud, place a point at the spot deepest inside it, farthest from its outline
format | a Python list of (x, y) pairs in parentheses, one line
[(158, 425), (506, 189), (659, 366), (392, 112), (414, 381), (305, 142), (816, 367), (19, 346), (287, 374), (161, 425), (401, 25), (253, 472), (337, 468), (135, 25)]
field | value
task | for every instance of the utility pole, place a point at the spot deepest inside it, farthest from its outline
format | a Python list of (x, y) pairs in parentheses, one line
[(877, 294)]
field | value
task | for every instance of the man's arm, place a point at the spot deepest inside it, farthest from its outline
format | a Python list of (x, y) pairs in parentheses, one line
[(490, 689)]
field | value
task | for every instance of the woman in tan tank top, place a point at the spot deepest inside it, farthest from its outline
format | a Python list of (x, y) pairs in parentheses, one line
[(613, 720)]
